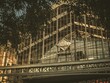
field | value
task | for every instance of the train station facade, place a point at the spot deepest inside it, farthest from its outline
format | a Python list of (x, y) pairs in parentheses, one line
[(66, 37)]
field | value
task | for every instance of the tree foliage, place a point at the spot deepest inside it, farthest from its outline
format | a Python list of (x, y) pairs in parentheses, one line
[(22, 16), (101, 8), (26, 16)]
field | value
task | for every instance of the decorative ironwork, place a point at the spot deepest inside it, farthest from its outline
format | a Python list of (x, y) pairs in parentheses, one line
[(96, 66)]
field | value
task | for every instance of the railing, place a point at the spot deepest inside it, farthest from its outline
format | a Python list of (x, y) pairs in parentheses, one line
[(93, 67)]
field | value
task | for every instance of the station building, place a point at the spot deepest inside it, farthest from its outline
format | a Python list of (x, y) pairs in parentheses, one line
[(66, 37)]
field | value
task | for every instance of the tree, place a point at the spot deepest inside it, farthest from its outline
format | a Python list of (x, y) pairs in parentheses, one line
[(22, 16), (26, 16), (101, 8)]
